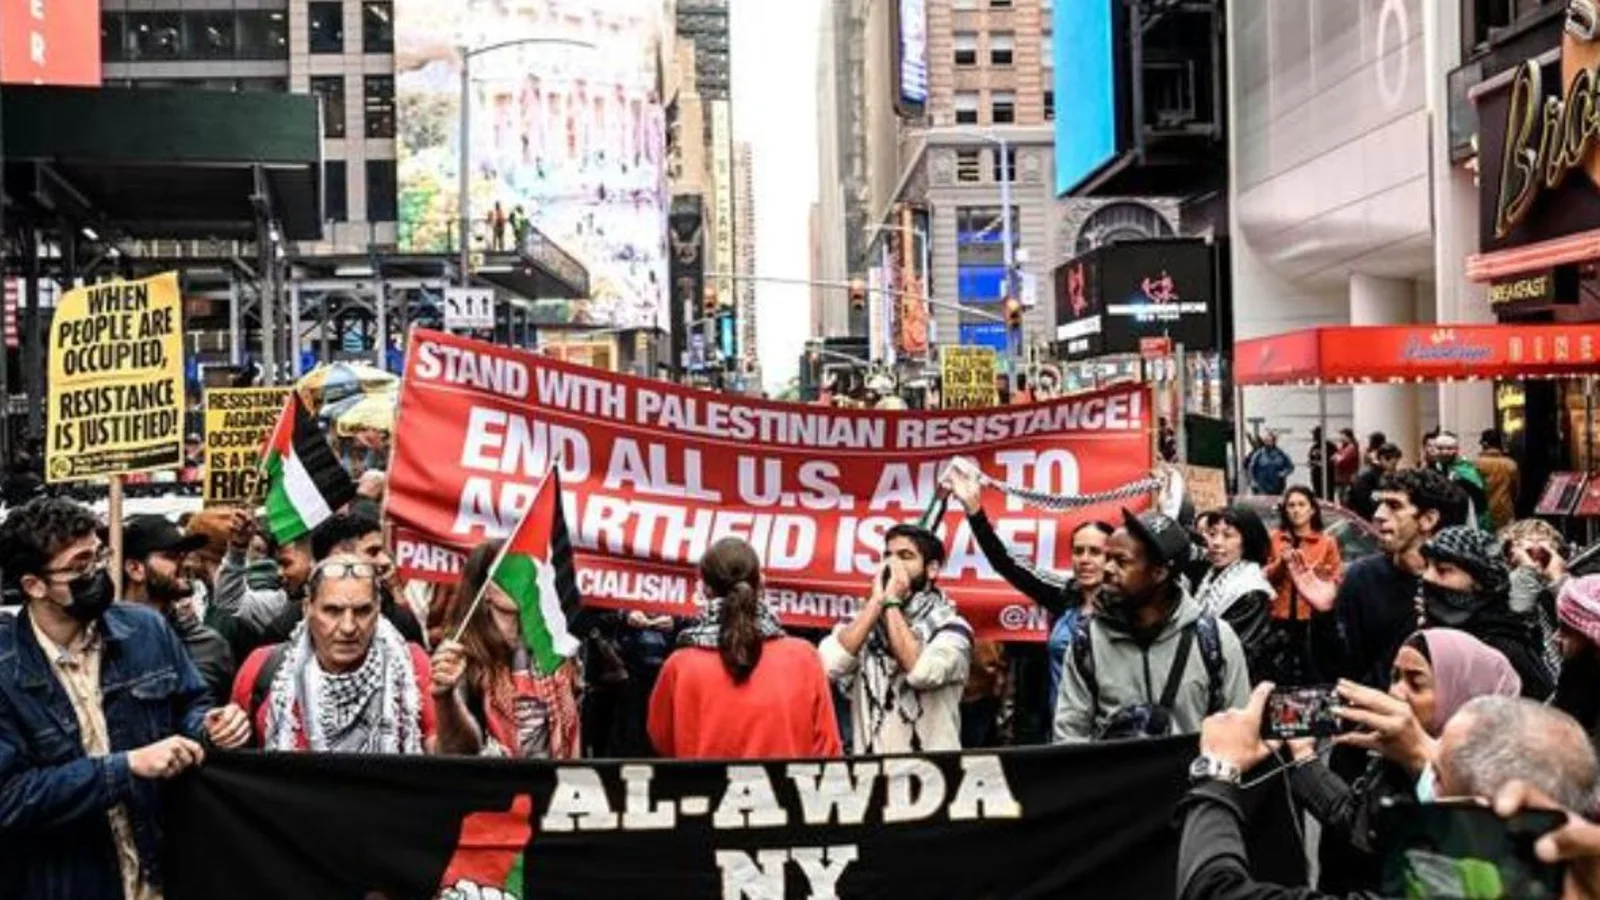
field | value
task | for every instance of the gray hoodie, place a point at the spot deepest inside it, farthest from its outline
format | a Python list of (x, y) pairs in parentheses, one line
[(1129, 672)]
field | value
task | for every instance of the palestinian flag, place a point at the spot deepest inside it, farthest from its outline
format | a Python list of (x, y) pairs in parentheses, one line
[(535, 570), (305, 482)]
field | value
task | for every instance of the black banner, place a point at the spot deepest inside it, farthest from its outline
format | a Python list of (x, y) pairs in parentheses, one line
[(1090, 821)]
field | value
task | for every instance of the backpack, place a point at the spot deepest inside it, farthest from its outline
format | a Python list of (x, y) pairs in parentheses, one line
[(263, 682), (1202, 630)]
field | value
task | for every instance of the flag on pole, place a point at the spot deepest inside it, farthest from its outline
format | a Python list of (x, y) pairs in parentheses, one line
[(535, 570), (305, 482)]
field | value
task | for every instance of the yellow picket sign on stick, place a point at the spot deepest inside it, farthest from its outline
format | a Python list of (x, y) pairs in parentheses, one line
[(238, 423), (116, 380)]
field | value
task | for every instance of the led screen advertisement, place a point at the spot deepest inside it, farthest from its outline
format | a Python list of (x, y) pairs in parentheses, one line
[(1110, 299), (911, 32), (567, 127), (1088, 90)]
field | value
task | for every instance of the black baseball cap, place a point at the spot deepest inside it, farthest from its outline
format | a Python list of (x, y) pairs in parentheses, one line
[(148, 533), (1165, 541)]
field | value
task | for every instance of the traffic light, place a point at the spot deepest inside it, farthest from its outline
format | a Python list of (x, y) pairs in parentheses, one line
[(1013, 313), (858, 294), (708, 302)]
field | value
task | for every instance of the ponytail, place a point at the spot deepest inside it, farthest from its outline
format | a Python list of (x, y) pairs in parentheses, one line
[(740, 641)]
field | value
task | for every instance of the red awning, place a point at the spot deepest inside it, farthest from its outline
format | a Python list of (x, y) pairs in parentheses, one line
[(1383, 353)]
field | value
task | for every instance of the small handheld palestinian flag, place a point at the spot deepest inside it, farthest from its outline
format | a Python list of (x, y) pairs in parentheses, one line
[(535, 570), (305, 482)]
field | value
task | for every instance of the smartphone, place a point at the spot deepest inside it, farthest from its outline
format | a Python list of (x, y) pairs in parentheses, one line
[(1301, 712), (1460, 848)]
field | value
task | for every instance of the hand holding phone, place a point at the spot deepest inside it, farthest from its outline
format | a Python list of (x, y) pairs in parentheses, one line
[(1302, 712)]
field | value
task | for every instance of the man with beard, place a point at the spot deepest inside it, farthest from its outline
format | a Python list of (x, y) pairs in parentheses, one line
[(98, 703), (904, 658), (154, 575), (1375, 608), (1467, 586), (1148, 627), (1444, 454)]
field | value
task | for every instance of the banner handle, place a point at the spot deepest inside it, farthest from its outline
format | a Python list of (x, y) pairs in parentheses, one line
[(114, 532)]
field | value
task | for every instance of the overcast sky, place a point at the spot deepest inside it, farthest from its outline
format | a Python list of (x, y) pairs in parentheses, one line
[(774, 46)]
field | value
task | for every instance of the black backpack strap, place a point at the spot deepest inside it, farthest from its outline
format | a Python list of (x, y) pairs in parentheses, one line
[(1180, 662), (1211, 654), (263, 683), (1083, 658)]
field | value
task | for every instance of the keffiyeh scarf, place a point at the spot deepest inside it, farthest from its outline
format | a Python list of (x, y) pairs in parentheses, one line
[(375, 708), (884, 685), (1221, 588), (706, 631)]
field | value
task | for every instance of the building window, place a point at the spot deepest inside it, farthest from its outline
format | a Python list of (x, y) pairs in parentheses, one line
[(1002, 48), (326, 27), (1008, 171), (263, 34), (382, 205), (966, 108), (1003, 105), (964, 4), (966, 48), (331, 89), (211, 35), (113, 36), (380, 106), (1049, 106), (999, 4), (155, 35), (377, 26), (968, 168), (981, 254), (335, 193)]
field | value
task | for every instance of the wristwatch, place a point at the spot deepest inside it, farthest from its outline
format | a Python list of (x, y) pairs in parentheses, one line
[(1210, 768)]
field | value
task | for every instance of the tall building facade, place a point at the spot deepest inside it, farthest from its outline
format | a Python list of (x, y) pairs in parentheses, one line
[(843, 202), (341, 50), (744, 192), (980, 153)]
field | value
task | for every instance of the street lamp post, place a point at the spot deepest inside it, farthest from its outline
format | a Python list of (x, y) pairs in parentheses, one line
[(464, 174), (1015, 342)]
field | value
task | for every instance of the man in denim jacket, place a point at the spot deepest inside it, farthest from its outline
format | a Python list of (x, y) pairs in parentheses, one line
[(98, 702)]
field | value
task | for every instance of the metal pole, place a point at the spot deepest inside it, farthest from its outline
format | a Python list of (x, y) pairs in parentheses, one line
[(463, 186), (381, 344), (1014, 340), (1181, 379), (235, 322), (33, 363), (1321, 442), (1241, 441)]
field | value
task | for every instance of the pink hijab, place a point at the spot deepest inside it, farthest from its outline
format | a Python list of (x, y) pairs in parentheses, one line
[(1463, 668)]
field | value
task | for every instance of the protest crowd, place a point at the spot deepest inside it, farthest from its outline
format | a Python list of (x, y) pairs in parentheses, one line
[(1464, 655)]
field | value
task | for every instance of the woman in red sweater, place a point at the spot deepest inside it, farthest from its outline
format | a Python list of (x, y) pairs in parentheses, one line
[(738, 687)]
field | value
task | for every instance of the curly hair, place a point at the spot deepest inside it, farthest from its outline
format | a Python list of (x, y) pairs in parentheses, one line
[(1429, 491), (36, 531)]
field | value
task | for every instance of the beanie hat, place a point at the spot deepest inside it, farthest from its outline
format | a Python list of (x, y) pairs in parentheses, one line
[(1474, 551)]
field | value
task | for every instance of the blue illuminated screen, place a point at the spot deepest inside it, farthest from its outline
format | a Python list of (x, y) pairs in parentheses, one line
[(1086, 90)]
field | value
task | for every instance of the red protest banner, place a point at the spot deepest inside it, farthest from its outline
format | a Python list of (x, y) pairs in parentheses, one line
[(654, 473)]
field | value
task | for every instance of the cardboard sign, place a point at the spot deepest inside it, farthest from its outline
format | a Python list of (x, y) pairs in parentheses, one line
[(238, 423), (116, 380), (967, 378)]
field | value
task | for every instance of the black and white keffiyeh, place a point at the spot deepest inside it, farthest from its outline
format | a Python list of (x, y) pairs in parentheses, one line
[(375, 708), (1221, 588), (706, 631), (884, 685)]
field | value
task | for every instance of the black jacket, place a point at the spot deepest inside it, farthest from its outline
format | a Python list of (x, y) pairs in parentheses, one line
[(1348, 811), (1518, 637), (1212, 861), (211, 655), (1360, 498), (1056, 594)]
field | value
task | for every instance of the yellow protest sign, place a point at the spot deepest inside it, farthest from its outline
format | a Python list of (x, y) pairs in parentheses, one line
[(238, 422), (967, 376), (116, 380)]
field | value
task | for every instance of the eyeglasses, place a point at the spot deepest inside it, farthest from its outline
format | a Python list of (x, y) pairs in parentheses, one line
[(101, 559), (341, 569)]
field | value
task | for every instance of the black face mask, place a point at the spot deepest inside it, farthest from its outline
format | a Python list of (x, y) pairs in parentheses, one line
[(1450, 607), (91, 596)]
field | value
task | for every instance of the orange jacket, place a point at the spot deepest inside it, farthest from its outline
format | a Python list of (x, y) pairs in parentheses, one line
[(1320, 550)]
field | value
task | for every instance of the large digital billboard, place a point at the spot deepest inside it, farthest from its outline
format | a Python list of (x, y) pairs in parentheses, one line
[(1086, 88), (567, 128)]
